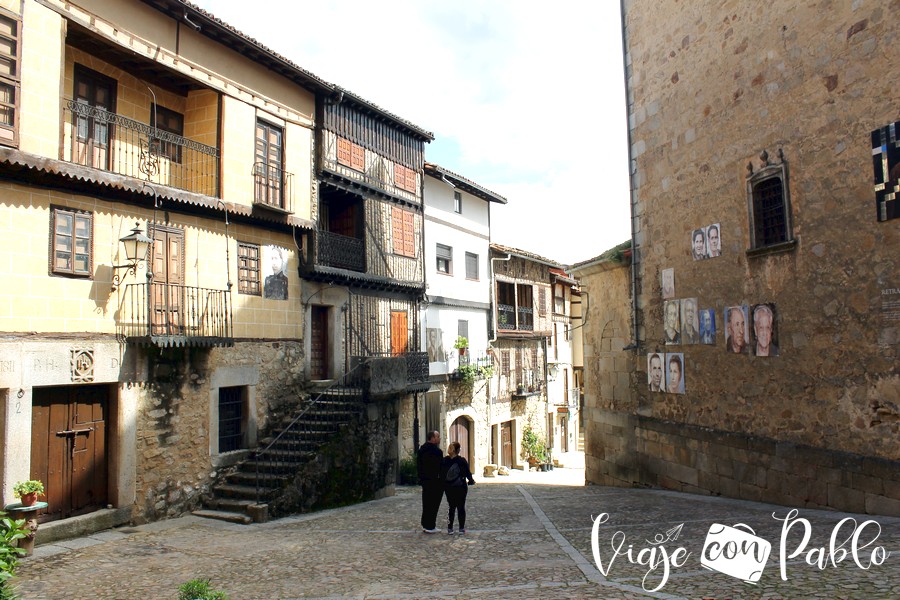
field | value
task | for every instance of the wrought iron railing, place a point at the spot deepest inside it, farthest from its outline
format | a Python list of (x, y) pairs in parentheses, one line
[(416, 367), (340, 251), (299, 439), (506, 316), (111, 142), (272, 187), (176, 315), (526, 318)]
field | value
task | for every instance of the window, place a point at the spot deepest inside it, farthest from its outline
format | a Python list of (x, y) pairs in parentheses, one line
[(167, 121), (770, 215), (559, 299), (232, 421), (444, 259), (471, 266), (9, 77), (462, 328), (267, 171), (404, 178), (403, 232), (457, 202), (351, 155), (71, 243), (248, 269), (542, 301), (504, 362)]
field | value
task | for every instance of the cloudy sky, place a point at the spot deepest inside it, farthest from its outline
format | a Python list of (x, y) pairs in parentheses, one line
[(525, 98)]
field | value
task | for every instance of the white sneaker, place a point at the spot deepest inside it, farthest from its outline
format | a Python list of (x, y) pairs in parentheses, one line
[(449, 531), (435, 530)]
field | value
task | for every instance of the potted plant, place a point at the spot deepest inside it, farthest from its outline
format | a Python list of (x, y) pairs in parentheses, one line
[(533, 447), (28, 491), (461, 344)]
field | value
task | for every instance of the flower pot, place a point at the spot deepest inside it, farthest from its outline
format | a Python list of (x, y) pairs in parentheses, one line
[(29, 499), (462, 351)]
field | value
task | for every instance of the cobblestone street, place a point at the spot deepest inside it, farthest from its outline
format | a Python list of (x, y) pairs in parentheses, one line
[(529, 537)]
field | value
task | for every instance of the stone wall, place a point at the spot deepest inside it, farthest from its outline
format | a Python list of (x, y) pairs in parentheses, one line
[(650, 452), (709, 89), (359, 464), (176, 413)]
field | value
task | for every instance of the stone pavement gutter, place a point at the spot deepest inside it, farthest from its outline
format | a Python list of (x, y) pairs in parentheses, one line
[(530, 536)]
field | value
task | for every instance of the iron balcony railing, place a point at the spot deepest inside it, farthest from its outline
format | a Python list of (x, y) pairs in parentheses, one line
[(340, 251), (95, 137), (515, 318), (272, 187), (167, 314), (416, 367), (526, 318)]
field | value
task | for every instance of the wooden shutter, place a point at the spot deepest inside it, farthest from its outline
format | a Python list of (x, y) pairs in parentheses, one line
[(357, 157), (397, 229), (399, 176), (344, 152), (399, 332), (409, 237), (542, 301)]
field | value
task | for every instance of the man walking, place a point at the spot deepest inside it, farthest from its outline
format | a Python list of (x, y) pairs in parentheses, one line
[(429, 463)]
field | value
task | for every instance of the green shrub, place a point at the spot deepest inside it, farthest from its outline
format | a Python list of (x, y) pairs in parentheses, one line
[(533, 447), (409, 470), (11, 531), (198, 589)]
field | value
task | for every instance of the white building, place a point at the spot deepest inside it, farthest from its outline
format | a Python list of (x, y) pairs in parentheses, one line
[(562, 384), (458, 304)]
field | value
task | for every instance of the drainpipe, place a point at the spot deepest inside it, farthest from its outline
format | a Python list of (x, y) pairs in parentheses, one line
[(635, 257)]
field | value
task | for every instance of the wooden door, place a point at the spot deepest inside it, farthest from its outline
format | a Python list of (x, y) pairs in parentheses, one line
[(68, 448), (399, 333), (459, 432), (506, 449), (93, 131), (318, 338), (167, 287), (563, 432)]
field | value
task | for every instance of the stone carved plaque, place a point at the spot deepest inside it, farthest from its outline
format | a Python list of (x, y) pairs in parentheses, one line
[(82, 365)]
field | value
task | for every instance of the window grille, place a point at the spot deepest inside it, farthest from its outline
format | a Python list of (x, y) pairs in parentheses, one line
[(231, 419)]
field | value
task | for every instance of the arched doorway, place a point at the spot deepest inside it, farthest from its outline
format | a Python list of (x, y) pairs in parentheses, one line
[(460, 431)]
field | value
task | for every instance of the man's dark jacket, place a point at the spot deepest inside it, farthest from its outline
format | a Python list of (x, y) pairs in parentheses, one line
[(429, 463)]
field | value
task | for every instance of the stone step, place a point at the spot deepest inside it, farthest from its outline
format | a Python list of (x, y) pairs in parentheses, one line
[(224, 515), (237, 505), (247, 492)]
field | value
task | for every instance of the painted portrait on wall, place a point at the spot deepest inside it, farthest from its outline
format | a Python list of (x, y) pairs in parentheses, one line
[(275, 265), (737, 333), (698, 244), (668, 283), (675, 373), (672, 321), (708, 326), (765, 333), (655, 366), (690, 324), (714, 240)]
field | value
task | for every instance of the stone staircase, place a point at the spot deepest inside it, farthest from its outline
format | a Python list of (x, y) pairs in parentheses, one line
[(242, 494)]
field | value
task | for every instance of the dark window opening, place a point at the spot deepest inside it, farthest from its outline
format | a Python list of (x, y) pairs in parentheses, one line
[(768, 212), (232, 423), (457, 202), (168, 121)]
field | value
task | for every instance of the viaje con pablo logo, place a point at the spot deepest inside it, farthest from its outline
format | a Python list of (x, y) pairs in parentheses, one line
[(738, 552)]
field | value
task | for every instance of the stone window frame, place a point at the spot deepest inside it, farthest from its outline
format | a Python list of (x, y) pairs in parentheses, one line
[(768, 174)]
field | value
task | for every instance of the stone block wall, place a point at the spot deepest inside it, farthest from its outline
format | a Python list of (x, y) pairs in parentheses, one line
[(643, 451)]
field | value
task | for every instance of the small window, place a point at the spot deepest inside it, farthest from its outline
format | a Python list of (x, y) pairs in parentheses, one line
[(886, 160), (10, 26), (462, 328), (444, 259), (457, 202), (167, 121), (403, 232), (504, 362), (248, 269), (769, 206), (232, 419), (471, 266), (71, 236)]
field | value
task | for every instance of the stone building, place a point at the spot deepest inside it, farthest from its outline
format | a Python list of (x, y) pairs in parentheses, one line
[(752, 138)]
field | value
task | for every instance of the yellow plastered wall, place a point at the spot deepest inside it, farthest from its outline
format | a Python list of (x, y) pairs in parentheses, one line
[(238, 151), (298, 160), (41, 64), (32, 299)]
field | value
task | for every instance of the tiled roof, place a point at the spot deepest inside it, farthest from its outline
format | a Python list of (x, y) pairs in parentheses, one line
[(525, 254), (439, 172)]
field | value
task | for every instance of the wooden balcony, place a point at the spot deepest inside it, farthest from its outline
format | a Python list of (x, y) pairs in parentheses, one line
[(97, 138), (169, 315)]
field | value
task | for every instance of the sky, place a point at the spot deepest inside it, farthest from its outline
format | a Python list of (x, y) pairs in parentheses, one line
[(524, 98)]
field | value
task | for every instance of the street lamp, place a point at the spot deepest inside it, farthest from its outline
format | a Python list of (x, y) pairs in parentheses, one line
[(136, 244)]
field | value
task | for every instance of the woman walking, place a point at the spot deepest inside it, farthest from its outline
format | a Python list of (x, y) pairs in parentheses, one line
[(456, 475)]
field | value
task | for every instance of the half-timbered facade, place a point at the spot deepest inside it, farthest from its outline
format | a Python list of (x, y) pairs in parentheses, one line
[(363, 263)]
